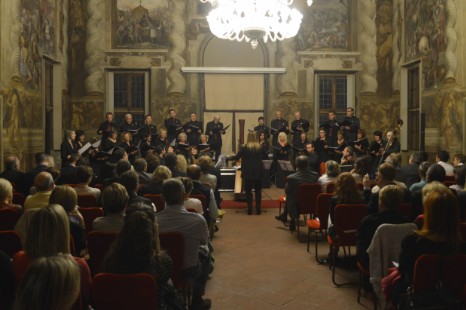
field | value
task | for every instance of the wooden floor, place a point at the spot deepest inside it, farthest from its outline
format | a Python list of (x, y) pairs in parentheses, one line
[(259, 264)]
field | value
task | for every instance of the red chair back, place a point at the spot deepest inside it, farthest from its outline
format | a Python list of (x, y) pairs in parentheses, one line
[(89, 215), (203, 201), (173, 243), (8, 218), (87, 201), (158, 201), (10, 242), (419, 221), (322, 168), (453, 277), (307, 197), (322, 209), (347, 220), (124, 291), (18, 198), (98, 244)]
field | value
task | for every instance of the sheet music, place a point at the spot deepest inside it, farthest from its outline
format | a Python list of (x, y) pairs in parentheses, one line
[(84, 148)]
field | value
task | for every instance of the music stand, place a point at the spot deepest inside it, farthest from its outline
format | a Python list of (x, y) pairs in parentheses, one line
[(285, 169)]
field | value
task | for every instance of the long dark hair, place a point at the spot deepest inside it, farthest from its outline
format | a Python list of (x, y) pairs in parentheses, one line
[(346, 189)]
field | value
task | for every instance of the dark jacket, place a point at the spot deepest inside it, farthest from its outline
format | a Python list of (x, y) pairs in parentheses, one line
[(292, 187), (251, 163)]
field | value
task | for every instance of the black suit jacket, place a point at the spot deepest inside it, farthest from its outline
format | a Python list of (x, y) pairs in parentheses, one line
[(194, 134), (278, 125), (314, 162), (292, 186), (31, 175), (105, 128), (173, 127), (16, 177), (410, 175), (214, 131), (298, 127)]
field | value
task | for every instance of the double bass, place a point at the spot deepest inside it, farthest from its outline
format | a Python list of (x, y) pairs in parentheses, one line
[(399, 124)]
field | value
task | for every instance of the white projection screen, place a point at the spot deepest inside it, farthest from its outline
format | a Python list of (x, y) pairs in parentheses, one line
[(234, 92)]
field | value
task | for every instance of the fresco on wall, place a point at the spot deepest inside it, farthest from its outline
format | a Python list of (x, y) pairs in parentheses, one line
[(325, 26), (77, 34), (383, 22), (37, 37), (383, 117), (141, 24), (87, 115), (426, 38)]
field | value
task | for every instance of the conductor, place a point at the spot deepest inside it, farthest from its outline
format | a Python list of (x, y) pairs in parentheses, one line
[(251, 170)]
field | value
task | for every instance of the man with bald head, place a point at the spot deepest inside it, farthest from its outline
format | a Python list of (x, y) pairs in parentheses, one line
[(44, 185), (12, 173), (214, 130), (278, 125)]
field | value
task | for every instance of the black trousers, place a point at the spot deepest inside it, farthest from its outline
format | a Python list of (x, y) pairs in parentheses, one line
[(249, 184)]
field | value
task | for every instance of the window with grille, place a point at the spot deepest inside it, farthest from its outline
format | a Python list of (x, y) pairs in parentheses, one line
[(129, 96), (413, 108), (333, 95)]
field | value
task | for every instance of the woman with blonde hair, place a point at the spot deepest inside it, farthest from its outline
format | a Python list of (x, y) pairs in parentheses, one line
[(66, 197), (67, 147), (49, 234), (50, 283), (251, 170), (440, 234), (154, 187)]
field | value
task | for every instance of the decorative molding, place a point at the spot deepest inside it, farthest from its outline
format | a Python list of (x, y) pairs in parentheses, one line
[(232, 70)]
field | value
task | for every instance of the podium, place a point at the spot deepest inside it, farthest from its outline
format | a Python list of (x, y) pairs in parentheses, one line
[(284, 168)]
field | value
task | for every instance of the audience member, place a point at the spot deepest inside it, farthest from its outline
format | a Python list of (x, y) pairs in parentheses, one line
[(458, 160), (50, 283), (422, 170), (191, 203), (44, 185), (153, 161), (6, 196), (442, 158), (171, 161), (194, 173), (302, 175), (13, 174), (362, 166), (194, 229), (181, 164), (84, 176), (68, 171), (332, 170), (129, 180), (313, 157), (346, 192), (43, 161), (114, 201), (390, 199), (66, 197), (154, 187), (48, 235), (410, 172), (439, 234), (137, 250), (208, 179), (140, 166), (460, 178), (394, 159)]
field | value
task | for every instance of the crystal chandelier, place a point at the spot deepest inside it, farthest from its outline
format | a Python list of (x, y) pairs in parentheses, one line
[(251, 20)]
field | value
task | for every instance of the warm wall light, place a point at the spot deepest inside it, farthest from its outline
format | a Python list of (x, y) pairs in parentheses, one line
[(252, 20)]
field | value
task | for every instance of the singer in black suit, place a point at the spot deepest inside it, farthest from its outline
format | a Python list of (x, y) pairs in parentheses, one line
[(251, 170), (193, 129), (148, 129), (214, 130), (261, 128), (173, 125), (278, 125), (299, 126), (106, 127), (350, 125), (331, 127)]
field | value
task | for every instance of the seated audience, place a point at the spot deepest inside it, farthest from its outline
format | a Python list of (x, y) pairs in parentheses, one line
[(154, 187), (346, 192), (50, 283), (208, 179), (6, 196), (114, 201), (44, 185), (68, 171), (43, 161), (194, 229), (332, 170), (129, 180), (390, 199), (181, 164), (48, 235), (362, 166), (422, 170), (84, 176), (191, 203), (458, 160), (153, 161), (66, 197), (137, 250), (13, 174), (194, 173), (439, 234), (302, 175), (460, 178), (442, 158), (410, 173), (140, 166), (171, 161)]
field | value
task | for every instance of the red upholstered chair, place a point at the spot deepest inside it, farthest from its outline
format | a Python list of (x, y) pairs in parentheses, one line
[(307, 197), (203, 201), (281, 202), (10, 242), (347, 219), (173, 243), (320, 222), (8, 218), (89, 215), (158, 201), (98, 244), (18, 198), (87, 201), (124, 291), (453, 277), (322, 168)]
